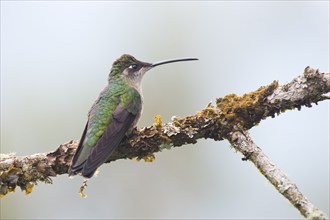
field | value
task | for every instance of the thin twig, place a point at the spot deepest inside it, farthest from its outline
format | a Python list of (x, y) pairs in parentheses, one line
[(243, 143)]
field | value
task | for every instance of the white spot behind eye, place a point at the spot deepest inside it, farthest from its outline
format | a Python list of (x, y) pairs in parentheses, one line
[(133, 66)]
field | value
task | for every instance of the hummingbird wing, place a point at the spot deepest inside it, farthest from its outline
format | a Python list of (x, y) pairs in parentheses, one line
[(90, 156), (121, 121)]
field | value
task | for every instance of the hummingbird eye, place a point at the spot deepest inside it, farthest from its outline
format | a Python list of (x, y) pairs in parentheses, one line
[(133, 67)]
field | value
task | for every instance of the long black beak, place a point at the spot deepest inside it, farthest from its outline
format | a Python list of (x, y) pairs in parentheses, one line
[(173, 61)]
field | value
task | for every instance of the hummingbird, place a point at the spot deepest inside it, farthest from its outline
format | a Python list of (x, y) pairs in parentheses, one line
[(113, 115)]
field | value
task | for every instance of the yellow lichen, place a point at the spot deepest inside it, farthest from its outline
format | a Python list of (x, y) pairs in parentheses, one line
[(149, 158), (177, 123), (11, 174), (11, 189), (82, 194), (158, 122), (82, 188), (29, 188)]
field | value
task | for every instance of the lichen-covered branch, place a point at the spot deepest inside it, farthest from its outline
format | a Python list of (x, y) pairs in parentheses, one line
[(243, 143), (214, 122)]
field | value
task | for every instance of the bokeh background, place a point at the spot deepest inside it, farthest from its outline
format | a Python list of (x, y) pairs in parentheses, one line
[(55, 59)]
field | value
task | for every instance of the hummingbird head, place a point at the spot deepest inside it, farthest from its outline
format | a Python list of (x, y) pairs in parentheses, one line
[(129, 69), (132, 70)]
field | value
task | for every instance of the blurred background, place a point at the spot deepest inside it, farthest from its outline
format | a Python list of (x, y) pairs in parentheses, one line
[(55, 59)]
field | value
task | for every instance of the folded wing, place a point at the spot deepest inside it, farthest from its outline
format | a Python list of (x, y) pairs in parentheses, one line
[(121, 121)]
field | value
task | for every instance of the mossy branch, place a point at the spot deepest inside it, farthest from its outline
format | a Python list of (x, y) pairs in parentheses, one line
[(229, 118)]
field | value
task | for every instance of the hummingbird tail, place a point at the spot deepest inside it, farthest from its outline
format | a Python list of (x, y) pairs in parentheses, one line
[(80, 170), (75, 170), (78, 159)]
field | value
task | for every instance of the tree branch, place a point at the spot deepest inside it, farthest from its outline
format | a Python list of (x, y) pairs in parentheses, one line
[(243, 143), (214, 122)]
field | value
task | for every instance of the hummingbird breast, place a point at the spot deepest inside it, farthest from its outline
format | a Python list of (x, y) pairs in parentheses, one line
[(137, 118)]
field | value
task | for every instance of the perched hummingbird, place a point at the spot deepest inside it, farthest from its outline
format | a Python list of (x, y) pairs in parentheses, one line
[(113, 115)]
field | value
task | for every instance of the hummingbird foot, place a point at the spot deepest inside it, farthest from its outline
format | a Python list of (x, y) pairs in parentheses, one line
[(133, 132)]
